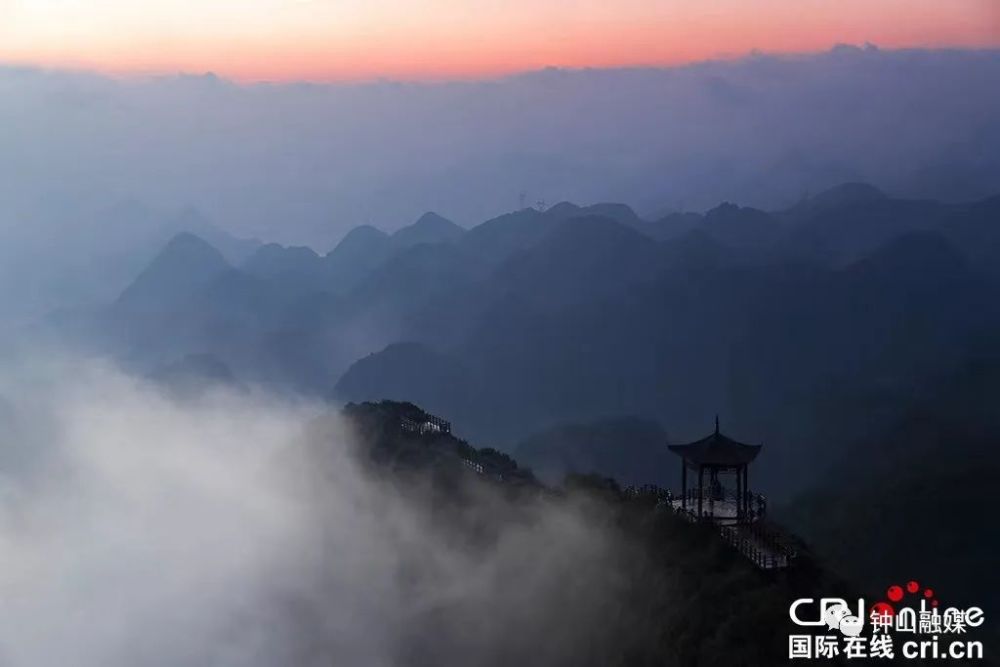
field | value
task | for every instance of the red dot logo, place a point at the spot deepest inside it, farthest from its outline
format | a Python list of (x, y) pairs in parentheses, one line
[(896, 594), (882, 609)]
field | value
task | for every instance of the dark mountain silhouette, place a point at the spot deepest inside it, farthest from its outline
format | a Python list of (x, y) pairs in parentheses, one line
[(697, 249), (579, 259), (353, 261), (674, 225), (502, 237), (898, 262), (429, 228), (762, 342), (925, 472), (409, 282), (805, 227), (628, 602), (294, 263), (401, 370), (837, 198), (618, 212), (192, 221), (184, 266), (729, 224), (498, 238), (976, 231), (535, 319), (841, 233), (360, 251), (742, 227)]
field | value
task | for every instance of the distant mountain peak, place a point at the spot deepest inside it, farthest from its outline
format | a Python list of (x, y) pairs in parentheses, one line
[(918, 252), (360, 251), (362, 235), (184, 264), (577, 245), (189, 219), (366, 230), (272, 259), (275, 249), (919, 262), (432, 219), (727, 212), (622, 213), (187, 246), (741, 226), (593, 228), (846, 194), (563, 209), (429, 228), (725, 208)]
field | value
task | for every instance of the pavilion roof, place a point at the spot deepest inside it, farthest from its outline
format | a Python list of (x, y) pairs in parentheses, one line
[(717, 449)]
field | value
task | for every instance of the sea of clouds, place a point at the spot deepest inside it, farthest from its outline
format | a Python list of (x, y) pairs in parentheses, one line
[(138, 527)]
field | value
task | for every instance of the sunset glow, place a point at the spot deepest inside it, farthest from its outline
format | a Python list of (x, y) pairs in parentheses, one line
[(429, 39)]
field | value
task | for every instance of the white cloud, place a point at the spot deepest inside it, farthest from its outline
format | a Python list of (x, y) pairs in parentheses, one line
[(221, 532)]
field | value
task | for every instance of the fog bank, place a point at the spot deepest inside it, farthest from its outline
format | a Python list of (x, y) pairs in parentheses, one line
[(139, 528)]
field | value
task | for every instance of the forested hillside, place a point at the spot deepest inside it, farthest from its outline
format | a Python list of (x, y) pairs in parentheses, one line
[(661, 591)]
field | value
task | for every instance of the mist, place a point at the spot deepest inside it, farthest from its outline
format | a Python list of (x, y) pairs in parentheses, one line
[(243, 528), (303, 163), (178, 487), (91, 167)]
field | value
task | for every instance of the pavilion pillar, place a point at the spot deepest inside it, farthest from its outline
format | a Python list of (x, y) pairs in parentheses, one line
[(739, 494), (684, 484), (741, 490), (701, 491), (746, 489)]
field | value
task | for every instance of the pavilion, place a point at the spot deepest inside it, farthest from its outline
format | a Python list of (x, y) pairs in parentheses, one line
[(713, 458)]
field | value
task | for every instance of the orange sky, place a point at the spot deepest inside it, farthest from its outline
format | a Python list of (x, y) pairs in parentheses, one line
[(436, 39)]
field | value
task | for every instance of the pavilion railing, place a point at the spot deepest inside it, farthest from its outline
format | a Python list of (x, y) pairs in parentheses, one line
[(655, 495), (755, 507), (756, 503), (766, 547)]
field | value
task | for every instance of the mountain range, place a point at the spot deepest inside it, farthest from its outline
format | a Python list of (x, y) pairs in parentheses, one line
[(535, 320), (585, 338)]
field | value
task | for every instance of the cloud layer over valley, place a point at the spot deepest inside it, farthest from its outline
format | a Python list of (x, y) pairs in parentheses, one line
[(239, 529)]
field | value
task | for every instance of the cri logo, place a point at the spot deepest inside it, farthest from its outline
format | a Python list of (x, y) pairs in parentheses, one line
[(834, 613)]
